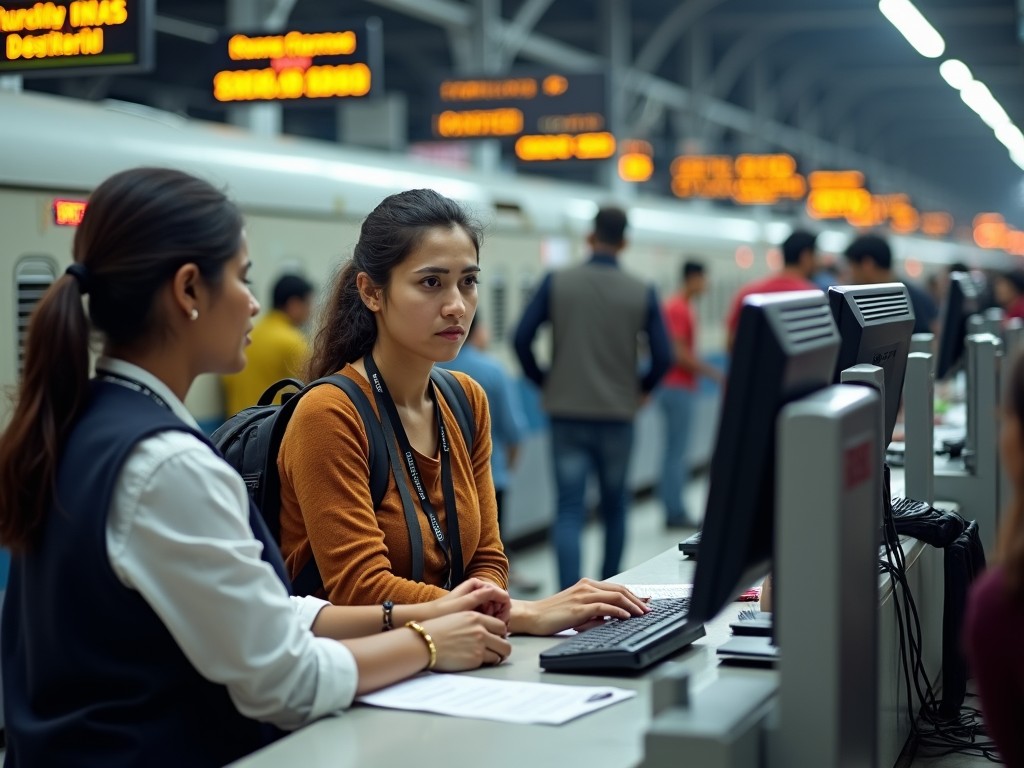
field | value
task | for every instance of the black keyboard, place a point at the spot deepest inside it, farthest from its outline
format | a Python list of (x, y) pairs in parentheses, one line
[(690, 545), (627, 644)]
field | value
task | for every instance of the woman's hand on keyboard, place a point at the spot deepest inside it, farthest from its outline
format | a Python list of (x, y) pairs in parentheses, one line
[(584, 603)]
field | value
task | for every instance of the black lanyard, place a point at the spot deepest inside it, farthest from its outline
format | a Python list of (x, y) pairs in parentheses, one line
[(451, 544), (135, 386)]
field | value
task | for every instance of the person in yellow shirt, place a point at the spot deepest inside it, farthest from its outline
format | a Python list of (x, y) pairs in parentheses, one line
[(279, 348)]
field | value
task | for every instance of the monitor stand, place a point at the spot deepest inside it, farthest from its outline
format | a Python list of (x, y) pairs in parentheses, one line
[(919, 428), (973, 482), (824, 708), (829, 511)]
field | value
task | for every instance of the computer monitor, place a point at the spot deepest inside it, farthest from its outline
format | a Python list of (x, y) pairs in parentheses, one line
[(786, 347), (961, 303), (875, 324)]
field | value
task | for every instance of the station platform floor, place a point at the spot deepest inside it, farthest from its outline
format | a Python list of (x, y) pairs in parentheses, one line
[(647, 537)]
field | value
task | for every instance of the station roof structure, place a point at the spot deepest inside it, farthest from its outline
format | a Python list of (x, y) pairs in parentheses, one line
[(832, 83)]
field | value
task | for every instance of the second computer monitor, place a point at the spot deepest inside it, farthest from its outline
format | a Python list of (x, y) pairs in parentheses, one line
[(785, 348), (961, 302), (875, 324)]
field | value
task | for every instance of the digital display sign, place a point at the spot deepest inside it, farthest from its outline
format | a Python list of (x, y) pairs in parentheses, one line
[(549, 116), (746, 179), (341, 62), (76, 37), (68, 213)]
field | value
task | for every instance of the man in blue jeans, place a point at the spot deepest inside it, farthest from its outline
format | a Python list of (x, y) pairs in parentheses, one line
[(678, 391), (591, 391)]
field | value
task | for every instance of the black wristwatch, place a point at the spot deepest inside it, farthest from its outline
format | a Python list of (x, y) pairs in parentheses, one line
[(388, 606)]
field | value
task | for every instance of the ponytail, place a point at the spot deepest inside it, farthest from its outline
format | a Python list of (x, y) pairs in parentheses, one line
[(50, 397), (140, 227), (347, 327)]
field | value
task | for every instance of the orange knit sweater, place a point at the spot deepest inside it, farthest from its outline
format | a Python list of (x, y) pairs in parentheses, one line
[(363, 555)]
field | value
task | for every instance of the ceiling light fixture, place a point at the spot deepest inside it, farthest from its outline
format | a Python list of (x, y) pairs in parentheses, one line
[(978, 97), (956, 73), (913, 26)]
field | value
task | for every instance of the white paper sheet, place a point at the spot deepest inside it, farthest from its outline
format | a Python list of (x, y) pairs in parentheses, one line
[(507, 701)]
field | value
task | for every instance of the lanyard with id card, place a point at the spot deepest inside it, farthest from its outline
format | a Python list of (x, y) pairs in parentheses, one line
[(403, 461)]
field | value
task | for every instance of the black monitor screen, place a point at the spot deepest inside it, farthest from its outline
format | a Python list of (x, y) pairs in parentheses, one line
[(875, 324), (786, 346), (961, 303)]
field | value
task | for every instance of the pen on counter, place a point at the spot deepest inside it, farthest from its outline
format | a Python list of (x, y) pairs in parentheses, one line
[(599, 696)]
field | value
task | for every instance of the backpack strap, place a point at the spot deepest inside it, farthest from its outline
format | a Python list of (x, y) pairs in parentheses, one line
[(453, 393), (267, 398), (380, 451), (374, 434)]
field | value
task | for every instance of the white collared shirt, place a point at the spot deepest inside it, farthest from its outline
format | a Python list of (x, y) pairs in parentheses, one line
[(178, 533)]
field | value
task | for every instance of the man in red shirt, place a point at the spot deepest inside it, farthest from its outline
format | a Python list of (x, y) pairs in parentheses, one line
[(677, 392), (799, 262), (1009, 293)]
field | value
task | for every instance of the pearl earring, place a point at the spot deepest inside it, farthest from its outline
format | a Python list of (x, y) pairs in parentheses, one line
[(195, 314)]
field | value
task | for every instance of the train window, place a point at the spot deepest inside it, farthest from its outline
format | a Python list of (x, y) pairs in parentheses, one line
[(498, 309), (32, 276)]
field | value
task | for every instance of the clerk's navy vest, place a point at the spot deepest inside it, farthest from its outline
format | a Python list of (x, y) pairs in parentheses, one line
[(91, 676)]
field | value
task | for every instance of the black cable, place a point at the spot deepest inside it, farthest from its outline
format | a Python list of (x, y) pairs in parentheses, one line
[(930, 731)]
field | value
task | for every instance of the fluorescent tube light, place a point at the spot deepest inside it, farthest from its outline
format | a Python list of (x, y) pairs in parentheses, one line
[(1011, 137), (913, 26), (956, 73)]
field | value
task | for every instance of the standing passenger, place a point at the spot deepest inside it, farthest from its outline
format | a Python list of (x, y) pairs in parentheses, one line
[(592, 390), (870, 260), (1009, 293), (402, 303), (279, 349), (799, 264), (677, 393), (147, 620)]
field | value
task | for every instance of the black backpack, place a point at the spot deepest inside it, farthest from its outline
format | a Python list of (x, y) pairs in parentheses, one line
[(250, 440)]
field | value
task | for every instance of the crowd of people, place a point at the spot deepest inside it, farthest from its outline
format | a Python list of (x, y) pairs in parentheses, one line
[(111, 488)]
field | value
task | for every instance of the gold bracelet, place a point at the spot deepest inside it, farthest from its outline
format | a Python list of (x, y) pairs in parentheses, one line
[(416, 627)]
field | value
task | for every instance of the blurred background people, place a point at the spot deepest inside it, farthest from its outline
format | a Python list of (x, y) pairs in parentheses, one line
[(1009, 293), (591, 390), (508, 422), (799, 264), (870, 261), (678, 390), (279, 348)]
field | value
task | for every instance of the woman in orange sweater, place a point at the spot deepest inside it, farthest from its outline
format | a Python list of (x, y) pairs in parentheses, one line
[(403, 302)]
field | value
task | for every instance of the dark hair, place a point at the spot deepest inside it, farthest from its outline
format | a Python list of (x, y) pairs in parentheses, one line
[(610, 226), (957, 266), (290, 287), (347, 328), (1010, 539), (872, 247), (691, 268), (793, 247), (1015, 277), (140, 227)]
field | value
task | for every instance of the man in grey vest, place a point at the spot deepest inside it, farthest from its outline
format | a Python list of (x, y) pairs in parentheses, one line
[(592, 388)]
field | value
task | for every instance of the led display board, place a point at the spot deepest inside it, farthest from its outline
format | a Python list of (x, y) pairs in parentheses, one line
[(745, 179), (68, 213), (636, 161), (343, 61), (548, 116), (75, 37)]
